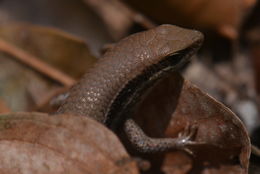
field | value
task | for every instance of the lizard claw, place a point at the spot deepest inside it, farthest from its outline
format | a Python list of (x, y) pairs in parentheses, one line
[(188, 133), (185, 138)]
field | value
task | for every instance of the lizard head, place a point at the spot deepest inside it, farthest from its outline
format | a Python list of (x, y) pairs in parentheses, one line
[(174, 39)]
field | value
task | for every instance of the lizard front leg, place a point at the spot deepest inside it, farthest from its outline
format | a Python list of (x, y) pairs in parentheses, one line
[(144, 143)]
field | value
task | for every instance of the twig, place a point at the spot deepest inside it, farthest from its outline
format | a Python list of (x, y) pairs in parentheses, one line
[(255, 150), (142, 20), (36, 64), (118, 16), (49, 96)]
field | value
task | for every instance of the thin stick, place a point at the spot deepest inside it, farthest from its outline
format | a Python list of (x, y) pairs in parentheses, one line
[(255, 150), (48, 97), (118, 16), (36, 64)]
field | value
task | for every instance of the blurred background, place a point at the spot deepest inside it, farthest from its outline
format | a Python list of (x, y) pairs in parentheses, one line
[(60, 34)]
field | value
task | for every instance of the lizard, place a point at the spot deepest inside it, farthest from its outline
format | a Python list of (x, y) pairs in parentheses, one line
[(111, 89)]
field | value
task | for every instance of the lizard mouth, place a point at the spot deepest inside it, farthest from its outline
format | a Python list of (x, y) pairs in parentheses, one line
[(174, 61), (178, 59)]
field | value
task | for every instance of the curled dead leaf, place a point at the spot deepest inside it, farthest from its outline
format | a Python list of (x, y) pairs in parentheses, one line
[(173, 104)]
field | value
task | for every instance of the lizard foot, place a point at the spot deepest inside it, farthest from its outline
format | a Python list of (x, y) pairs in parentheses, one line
[(185, 138), (144, 143)]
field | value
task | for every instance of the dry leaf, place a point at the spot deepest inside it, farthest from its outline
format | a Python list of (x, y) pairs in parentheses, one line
[(118, 17), (21, 87), (57, 48), (67, 15), (172, 105), (39, 143), (223, 16), (114, 14), (253, 37), (3, 107)]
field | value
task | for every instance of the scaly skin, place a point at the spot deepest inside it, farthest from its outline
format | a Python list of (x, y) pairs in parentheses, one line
[(112, 88)]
